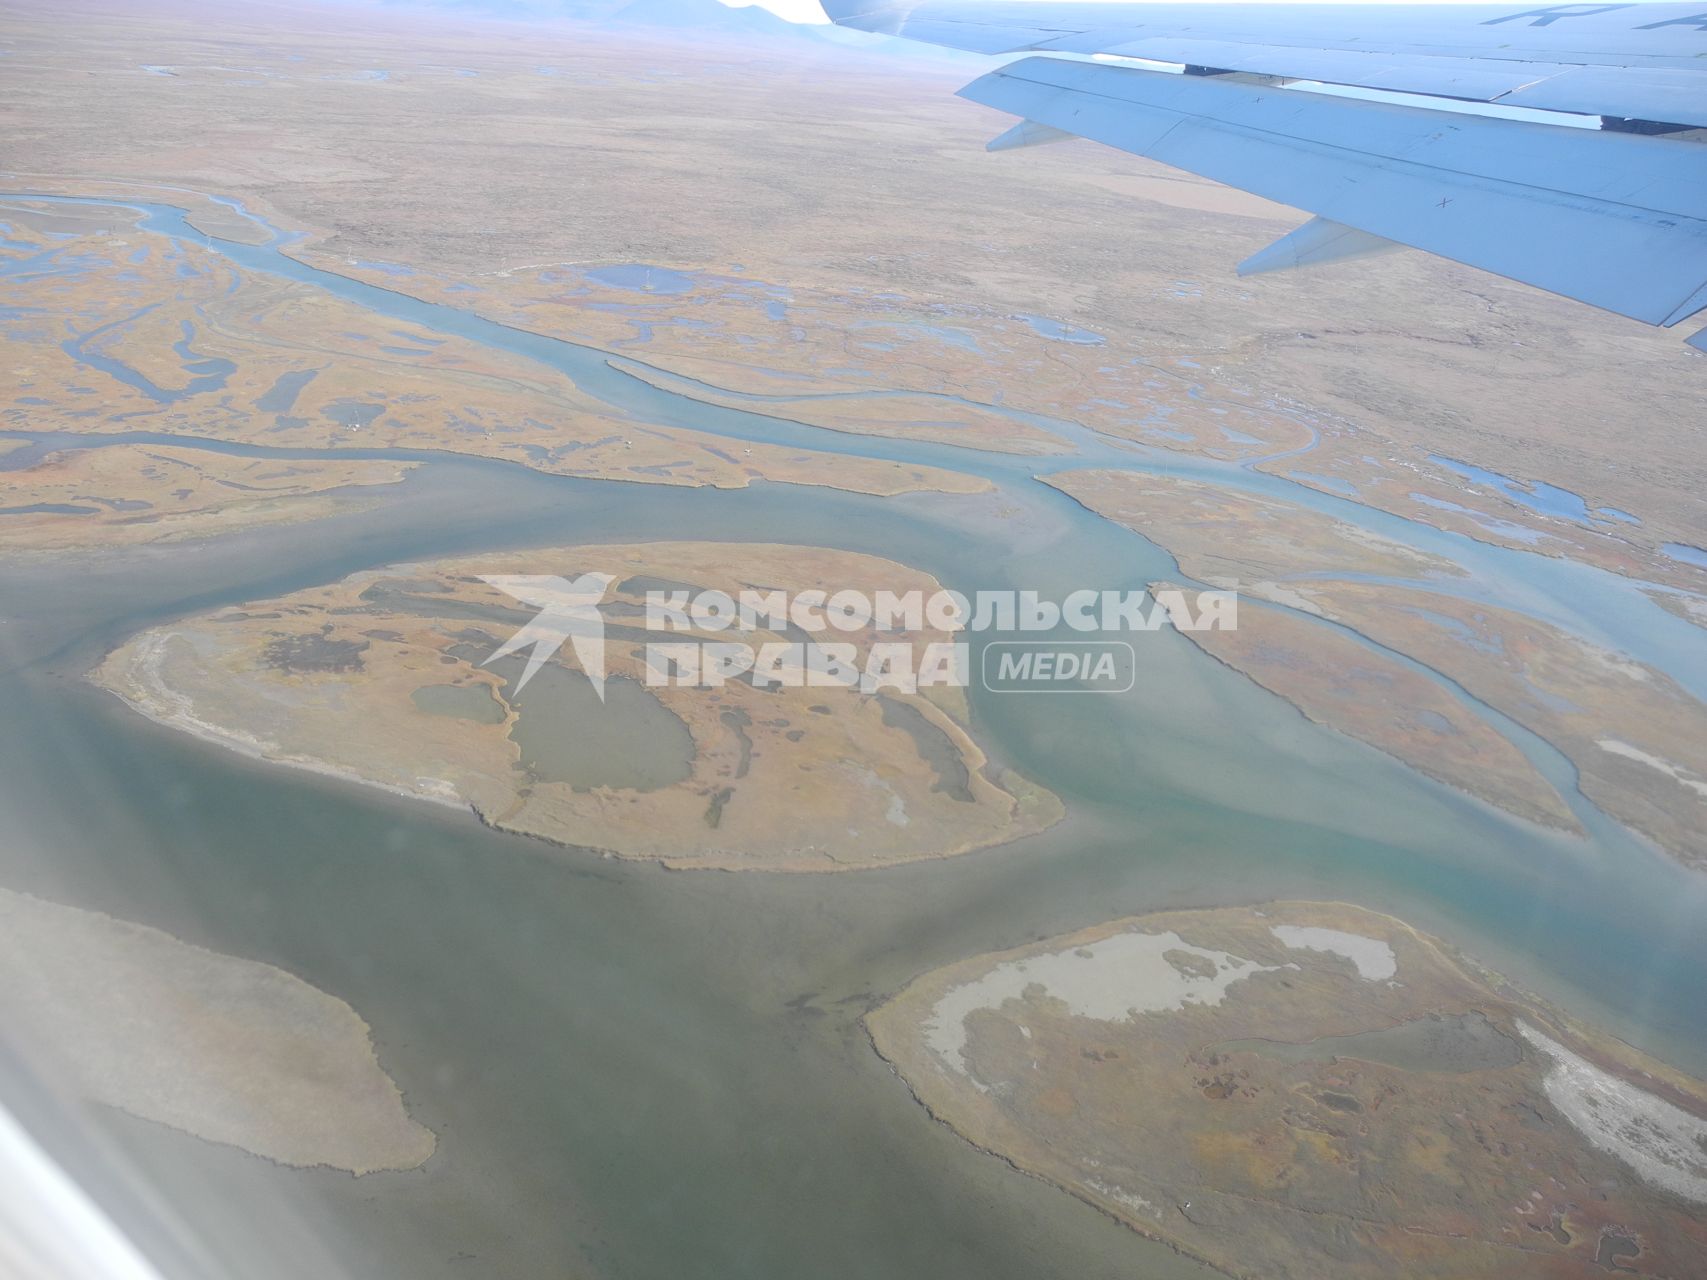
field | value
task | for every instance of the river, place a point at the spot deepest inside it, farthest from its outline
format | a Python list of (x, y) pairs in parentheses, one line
[(635, 1072)]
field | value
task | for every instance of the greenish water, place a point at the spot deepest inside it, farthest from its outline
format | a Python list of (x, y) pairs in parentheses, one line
[(934, 746), (641, 1073), (567, 733), (459, 701)]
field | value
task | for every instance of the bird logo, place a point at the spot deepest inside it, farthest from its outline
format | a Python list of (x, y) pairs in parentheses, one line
[(568, 610)]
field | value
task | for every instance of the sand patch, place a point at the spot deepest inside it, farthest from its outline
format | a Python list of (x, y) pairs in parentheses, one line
[(1664, 1144), (1110, 980), (1374, 958), (227, 1049)]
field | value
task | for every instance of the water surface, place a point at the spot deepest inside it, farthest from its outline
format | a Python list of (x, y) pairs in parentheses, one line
[(643, 1073)]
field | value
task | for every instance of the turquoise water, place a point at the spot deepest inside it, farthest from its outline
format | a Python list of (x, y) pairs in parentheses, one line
[(1537, 495), (1598, 604), (643, 1073), (202, 374), (640, 278), (1059, 332)]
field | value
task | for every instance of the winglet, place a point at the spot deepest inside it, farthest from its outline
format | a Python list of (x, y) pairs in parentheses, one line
[(1027, 133), (866, 15), (1318, 240), (1698, 340)]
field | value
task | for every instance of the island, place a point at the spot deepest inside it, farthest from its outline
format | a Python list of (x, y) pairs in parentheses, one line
[(223, 1048), (394, 677), (1312, 1089), (124, 495), (1379, 640), (168, 337), (1336, 679)]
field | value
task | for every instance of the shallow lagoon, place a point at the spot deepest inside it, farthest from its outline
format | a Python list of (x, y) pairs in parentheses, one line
[(567, 733), (649, 1073), (663, 1072), (460, 701)]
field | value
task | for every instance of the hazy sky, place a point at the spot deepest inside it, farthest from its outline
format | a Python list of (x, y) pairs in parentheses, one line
[(810, 11), (793, 10)]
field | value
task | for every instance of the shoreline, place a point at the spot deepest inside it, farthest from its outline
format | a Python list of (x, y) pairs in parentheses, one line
[(252, 748), (897, 1031), (156, 703)]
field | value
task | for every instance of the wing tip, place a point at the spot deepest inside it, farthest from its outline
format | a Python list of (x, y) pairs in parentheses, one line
[(847, 12)]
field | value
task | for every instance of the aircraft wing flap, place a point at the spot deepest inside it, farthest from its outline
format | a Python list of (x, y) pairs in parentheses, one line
[(1656, 93), (1638, 61), (1608, 218), (1481, 79), (1637, 93)]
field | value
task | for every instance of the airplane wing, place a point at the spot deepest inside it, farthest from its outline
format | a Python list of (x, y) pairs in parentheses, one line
[(1605, 203)]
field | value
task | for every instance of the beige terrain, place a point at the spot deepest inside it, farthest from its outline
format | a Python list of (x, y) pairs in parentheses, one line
[(383, 678), (1312, 1089), (816, 234), (851, 191), (214, 351), (1338, 681), (126, 495), (224, 1048), (1638, 740), (1242, 540), (1634, 735), (904, 415)]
